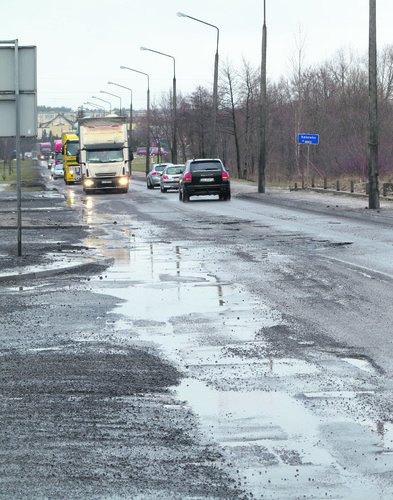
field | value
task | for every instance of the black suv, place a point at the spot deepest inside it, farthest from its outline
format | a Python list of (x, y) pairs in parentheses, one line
[(204, 177)]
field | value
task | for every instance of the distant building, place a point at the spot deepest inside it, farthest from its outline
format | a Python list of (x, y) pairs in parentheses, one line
[(54, 124)]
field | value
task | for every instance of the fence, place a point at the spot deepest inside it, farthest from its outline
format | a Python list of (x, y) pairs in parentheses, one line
[(341, 185)]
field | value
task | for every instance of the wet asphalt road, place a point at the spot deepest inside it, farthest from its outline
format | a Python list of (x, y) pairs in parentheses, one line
[(232, 350)]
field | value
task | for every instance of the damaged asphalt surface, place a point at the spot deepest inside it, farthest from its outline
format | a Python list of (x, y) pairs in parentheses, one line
[(82, 415), (155, 349)]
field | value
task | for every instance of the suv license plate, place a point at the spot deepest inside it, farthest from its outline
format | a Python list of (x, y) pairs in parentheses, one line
[(207, 179), (106, 182)]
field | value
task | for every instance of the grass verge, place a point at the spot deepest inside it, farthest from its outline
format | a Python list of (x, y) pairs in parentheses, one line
[(30, 175)]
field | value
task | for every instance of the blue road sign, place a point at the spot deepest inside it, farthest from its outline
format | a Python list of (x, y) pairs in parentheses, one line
[(308, 138)]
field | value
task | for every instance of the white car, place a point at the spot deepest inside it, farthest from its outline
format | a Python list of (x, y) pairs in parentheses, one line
[(170, 177), (57, 171)]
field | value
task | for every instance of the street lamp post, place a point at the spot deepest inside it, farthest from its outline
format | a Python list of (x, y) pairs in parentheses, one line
[(215, 85), (127, 88), (147, 169), (174, 104), (114, 95), (94, 104), (103, 100), (263, 117)]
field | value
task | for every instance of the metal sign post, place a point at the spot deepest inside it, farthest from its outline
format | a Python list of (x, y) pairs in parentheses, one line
[(17, 150), (309, 139)]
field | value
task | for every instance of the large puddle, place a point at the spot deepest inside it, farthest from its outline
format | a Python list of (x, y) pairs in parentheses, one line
[(279, 448)]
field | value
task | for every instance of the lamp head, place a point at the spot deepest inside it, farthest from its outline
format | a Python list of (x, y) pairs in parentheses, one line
[(181, 14), (143, 48)]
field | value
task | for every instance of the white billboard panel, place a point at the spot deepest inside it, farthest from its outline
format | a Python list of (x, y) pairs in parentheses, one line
[(27, 69), (27, 59), (28, 116)]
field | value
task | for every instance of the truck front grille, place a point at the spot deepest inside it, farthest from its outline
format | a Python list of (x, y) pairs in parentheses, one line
[(106, 174)]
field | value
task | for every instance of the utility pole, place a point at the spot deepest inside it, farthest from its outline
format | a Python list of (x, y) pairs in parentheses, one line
[(373, 198), (262, 126)]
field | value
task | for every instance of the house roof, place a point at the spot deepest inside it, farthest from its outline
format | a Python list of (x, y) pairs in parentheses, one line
[(52, 120)]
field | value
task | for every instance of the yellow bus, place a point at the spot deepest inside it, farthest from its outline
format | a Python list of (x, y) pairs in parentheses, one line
[(72, 169)]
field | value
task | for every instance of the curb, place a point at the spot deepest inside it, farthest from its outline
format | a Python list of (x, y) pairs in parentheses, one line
[(12, 277)]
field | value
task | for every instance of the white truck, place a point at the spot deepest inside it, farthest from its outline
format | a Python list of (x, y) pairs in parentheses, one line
[(103, 154)]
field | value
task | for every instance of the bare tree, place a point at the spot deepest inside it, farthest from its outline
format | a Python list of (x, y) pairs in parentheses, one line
[(229, 104), (297, 86), (249, 119), (330, 99)]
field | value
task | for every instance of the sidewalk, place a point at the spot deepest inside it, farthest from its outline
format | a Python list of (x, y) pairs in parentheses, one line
[(321, 201)]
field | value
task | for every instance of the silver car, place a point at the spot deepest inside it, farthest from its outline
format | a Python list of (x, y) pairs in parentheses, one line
[(57, 171), (170, 177), (154, 176)]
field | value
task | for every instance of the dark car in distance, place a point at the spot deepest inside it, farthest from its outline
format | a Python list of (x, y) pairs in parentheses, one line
[(204, 177)]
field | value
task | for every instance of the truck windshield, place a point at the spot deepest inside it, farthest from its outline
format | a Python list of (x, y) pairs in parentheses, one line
[(104, 156), (72, 148)]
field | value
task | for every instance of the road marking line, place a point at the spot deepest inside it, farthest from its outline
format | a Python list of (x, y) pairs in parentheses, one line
[(358, 267)]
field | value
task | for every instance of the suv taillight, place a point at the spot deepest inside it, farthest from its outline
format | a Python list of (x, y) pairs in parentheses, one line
[(225, 176), (188, 176)]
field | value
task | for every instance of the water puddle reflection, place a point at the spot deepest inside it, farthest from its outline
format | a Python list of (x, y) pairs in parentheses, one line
[(246, 400), (264, 433), (248, 418), (385, 432), (361, 363)]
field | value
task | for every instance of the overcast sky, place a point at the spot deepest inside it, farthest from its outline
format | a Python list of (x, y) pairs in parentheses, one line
[(82, 43)]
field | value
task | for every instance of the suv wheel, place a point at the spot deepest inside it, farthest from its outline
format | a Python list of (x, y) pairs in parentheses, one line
[(185, 196), (225, 196), (148, 184)]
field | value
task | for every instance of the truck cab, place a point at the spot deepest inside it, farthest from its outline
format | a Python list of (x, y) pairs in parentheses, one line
[(72, 169), (104, 154)]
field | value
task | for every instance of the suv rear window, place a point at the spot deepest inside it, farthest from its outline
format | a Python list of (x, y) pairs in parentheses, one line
[(205, 165)]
